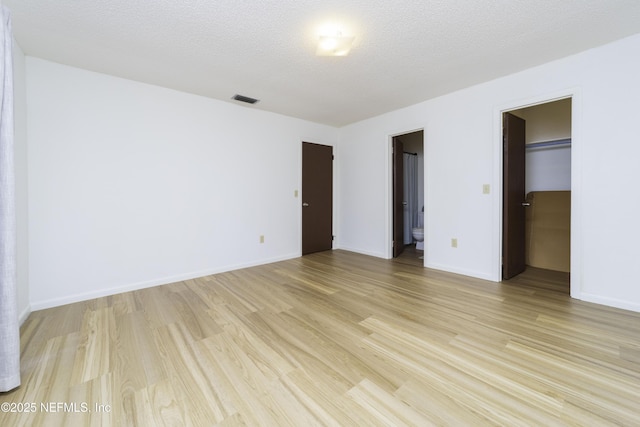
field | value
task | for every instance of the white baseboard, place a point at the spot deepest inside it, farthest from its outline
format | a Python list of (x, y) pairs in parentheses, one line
[(461, 271), (610, 302), (363, 252), (69, 299)]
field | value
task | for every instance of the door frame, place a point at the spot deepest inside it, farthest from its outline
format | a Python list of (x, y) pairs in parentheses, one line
[(389, 193), (576, 181)]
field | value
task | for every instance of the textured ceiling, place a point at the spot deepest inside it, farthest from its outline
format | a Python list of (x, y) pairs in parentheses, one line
[(405, 51)]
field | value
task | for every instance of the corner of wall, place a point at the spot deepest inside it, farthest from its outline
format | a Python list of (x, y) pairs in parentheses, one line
[(24, 314)]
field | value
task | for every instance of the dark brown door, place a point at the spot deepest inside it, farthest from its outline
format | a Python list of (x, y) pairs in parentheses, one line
[(317, 197), (398, 198), (513, 193)]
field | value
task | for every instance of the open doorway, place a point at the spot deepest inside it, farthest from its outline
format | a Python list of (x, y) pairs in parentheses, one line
[(408, 197), (537, 211)]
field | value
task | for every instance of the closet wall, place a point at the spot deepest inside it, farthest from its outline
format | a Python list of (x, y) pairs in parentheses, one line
[(548, 168)]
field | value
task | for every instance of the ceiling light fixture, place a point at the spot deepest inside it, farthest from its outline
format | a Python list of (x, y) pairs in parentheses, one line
[(337, 45)]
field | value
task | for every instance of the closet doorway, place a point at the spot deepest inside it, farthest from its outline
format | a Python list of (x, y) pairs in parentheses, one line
[(537, 188), (408, 196)]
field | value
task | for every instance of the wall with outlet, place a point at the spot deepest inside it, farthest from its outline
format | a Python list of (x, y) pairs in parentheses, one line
[(463, 151), (133, 185)]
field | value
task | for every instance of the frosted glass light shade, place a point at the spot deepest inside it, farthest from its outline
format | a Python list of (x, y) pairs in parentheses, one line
[(334, 45)]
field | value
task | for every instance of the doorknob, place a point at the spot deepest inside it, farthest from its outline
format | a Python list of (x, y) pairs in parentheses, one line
[(526, 204), (404, 203), (305, 204)]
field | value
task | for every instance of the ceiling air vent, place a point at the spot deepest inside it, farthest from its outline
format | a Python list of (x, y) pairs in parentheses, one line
[(243, 98)]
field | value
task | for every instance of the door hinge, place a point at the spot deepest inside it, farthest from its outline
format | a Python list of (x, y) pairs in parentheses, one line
[(333, 237), (333, 157)]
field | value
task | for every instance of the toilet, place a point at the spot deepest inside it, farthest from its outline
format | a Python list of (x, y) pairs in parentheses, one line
[(418, 232)]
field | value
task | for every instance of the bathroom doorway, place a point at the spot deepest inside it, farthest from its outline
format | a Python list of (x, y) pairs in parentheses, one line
[(408, 196)]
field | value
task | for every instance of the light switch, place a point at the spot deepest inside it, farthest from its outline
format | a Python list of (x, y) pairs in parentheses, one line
[(486, 189)]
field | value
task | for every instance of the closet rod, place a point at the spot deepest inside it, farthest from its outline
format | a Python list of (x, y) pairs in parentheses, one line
[(557, 142), (413, 154)]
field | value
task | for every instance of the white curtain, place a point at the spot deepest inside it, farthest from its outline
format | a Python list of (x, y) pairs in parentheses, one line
[(410, 195), (9, 327)]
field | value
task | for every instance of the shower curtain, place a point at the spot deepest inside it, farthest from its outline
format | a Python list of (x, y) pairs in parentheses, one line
[(410, 195), (9, 328)]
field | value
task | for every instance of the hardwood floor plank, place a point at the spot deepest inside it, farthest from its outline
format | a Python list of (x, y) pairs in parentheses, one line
[(271, 362), (164, 401), (333, 338), (476, 370), (244, 385), (386, 408), (587, 385), (438, 408), (92, 392), (319, 400), (96, 345), (186, 374), (136, 355)]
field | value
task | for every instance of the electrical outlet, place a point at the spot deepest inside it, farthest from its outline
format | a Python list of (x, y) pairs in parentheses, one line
[(261, 239), (454, 242)]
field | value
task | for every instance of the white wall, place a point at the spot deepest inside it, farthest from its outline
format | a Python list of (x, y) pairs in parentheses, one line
[(20, 158), (364, 166), (132, 185), (463, 152)]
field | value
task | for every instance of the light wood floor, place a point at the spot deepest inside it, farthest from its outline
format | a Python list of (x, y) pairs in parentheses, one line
[(411, 256), (333, 338)]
